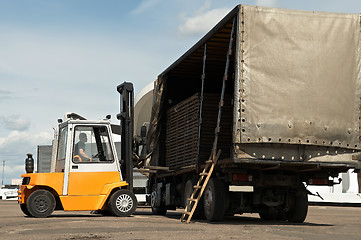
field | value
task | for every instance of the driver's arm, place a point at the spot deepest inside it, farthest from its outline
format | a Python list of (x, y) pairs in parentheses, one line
[(83, 154)]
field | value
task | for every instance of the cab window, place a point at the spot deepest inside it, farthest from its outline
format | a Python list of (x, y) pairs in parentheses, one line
[(61, 153), (63, 135), (92, 145)]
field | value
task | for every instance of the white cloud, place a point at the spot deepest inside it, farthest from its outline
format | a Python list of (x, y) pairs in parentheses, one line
[(14, 170), (267, 3), (15, 122), (19, 143), (202, 20), (13, 150)]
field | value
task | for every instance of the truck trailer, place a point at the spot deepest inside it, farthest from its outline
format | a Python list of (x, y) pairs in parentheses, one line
[(278, 92)]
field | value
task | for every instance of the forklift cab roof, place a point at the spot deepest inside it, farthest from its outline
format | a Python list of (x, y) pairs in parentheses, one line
[(74, 118)]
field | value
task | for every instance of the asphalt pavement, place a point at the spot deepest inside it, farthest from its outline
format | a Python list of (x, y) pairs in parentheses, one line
[(322, 222)]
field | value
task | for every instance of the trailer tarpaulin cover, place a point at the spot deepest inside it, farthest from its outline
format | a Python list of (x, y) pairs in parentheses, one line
[(299, 77)]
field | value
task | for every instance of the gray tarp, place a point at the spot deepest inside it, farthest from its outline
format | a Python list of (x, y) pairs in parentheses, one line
[(299, 77)]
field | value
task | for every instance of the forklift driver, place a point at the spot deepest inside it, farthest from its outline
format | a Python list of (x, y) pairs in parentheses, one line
[(79, 152)]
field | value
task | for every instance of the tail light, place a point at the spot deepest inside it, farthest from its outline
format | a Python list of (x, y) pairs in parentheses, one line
[(237, 177), (320, 181)]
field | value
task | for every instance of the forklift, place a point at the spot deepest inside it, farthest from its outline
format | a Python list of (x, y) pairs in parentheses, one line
[(88, 174)]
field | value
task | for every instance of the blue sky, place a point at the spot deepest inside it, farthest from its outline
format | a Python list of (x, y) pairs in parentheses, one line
[(69, 56)]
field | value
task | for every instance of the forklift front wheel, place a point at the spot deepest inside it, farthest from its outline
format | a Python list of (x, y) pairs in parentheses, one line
[(41, 203), (122, 203), (24, 209)]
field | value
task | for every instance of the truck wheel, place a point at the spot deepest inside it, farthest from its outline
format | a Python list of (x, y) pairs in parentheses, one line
[(299, 208), (41, 203), (24, 209), (122, 203), (268, 214), (188, 190), (271, 213), (214, 200), (156, 210)]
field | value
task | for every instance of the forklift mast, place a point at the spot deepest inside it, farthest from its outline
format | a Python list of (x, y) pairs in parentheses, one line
[(126, 124)]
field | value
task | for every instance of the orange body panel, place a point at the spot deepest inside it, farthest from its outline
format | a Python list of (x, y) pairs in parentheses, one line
[(89, 190), (86, 190), (90, 183), (52, 180), (82, 203), (89, 202)]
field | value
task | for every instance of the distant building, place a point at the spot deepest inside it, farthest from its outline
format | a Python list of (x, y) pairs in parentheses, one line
[(16, 182)]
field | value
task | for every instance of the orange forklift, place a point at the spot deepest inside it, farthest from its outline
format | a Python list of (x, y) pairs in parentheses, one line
[(88, 174)]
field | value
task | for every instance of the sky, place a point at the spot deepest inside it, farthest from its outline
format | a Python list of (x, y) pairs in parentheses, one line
[(60, 56)]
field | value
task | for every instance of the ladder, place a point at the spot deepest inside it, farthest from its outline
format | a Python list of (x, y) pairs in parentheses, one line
[(198, 189), (205, 175)]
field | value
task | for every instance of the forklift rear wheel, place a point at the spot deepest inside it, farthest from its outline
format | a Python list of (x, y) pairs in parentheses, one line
[(24, 209), (41, 203), (122, 203)]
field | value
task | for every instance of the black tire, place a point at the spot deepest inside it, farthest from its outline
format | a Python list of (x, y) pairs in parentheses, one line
[(299, 208), (214, 200), (265, 215), (24, 209), (156, 210), (188, 190), (271, 213), (122, 203), (161, 210), (41, 203), (102, 212)]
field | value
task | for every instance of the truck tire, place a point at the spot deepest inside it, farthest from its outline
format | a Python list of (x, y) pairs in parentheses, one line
[(122, 203), (41, 203), (214, 200), (24, 209), (271, 213), (299, 209), (157, 208), (161, 210), (188, 190), (267, 214)]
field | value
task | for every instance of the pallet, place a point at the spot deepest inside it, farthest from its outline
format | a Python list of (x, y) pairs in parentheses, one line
[(182, 130)]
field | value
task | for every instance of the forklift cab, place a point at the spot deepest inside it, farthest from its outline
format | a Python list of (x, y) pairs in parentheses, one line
[(87, 174), (87, 157)]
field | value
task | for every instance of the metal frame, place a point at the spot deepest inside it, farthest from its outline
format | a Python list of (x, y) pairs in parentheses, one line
[(201, 104), (126, 117)]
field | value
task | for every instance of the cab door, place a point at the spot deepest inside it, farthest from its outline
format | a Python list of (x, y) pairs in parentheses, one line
[(97, 167)]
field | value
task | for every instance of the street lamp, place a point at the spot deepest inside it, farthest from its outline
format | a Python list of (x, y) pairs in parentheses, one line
[(2, 180)]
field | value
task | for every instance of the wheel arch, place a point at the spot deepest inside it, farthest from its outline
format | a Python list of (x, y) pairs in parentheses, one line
[(108, 190), (28, 191)]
